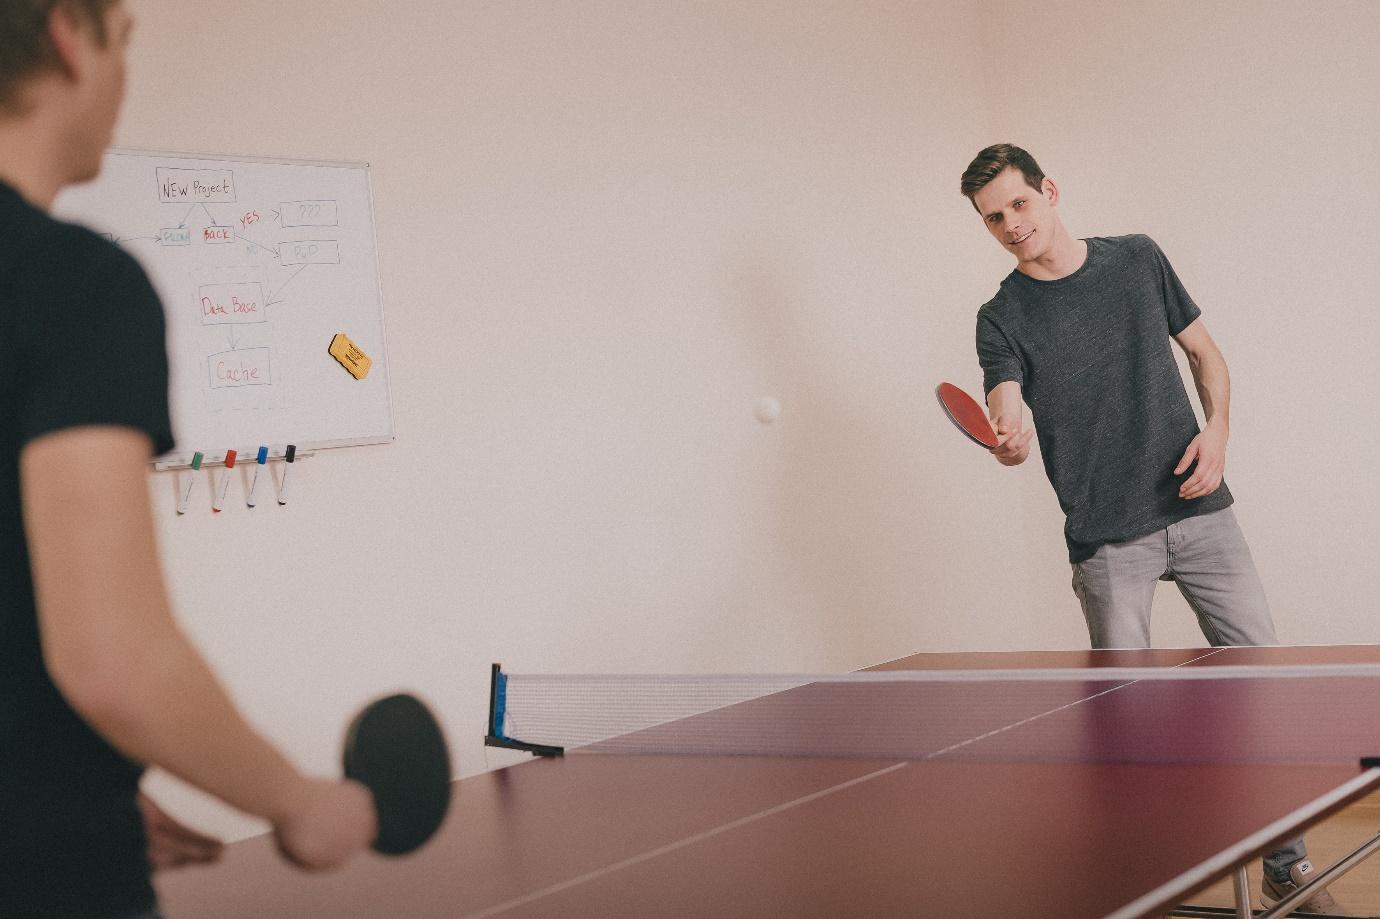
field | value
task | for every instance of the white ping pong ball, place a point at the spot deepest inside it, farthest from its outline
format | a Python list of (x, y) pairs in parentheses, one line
[(767, 409)]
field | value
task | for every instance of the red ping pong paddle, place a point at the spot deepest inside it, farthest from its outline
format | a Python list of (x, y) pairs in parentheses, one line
[(964, 411), (396, 748)]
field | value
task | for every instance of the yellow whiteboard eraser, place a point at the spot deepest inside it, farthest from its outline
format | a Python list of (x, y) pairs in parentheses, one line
[(350, 357)]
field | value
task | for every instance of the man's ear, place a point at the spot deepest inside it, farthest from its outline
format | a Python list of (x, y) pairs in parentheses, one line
[(1050, 191), (70, 39)]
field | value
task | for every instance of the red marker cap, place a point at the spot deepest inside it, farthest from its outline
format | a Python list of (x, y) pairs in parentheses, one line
[(229, 459)]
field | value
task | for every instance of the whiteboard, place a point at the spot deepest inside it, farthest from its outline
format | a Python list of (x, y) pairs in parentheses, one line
[(260, 264)]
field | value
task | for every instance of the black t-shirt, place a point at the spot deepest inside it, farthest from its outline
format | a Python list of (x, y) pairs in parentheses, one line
[(81, 343), (1092, 354)]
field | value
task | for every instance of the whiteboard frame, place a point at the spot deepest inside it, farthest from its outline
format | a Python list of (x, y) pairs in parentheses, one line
[(183, 460)]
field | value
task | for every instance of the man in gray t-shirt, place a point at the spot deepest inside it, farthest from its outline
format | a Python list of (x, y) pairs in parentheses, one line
[(1081, 331), (1090, 352)]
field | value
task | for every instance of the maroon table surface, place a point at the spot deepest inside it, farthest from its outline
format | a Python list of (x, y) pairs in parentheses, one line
[(728, 836)]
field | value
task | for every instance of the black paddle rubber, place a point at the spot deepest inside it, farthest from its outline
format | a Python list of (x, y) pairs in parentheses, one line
[(396, 748)]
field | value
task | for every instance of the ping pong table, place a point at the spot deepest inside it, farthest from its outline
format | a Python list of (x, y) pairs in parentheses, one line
[(950, 835)]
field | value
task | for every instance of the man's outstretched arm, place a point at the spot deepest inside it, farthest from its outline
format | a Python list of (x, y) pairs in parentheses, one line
[(1004, 408), (113, 649)]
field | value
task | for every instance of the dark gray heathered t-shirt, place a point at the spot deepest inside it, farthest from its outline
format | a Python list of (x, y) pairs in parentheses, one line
[(1093, 356)]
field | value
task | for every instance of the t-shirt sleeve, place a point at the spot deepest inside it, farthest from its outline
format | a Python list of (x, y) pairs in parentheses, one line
[(96, 352), (999, 360), (1179, 309)]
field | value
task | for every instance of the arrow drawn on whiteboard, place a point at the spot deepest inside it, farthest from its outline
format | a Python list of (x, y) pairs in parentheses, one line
[(272, 252), (130, 239), (233, 337), (272, 301), (183, 224)]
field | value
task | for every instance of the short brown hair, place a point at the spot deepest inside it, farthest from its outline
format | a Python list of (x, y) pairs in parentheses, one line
[(988, 164), (25, 46)]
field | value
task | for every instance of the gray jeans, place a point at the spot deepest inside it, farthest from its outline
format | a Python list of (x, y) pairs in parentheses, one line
[(1208, 560)]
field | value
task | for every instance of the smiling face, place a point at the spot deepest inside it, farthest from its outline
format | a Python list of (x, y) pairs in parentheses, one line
[(1021, 218)]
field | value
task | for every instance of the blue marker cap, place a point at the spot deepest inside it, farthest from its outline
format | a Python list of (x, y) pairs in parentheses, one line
[(263, 456)]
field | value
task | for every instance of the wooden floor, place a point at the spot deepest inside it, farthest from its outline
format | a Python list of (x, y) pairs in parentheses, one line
[(1330, 841)]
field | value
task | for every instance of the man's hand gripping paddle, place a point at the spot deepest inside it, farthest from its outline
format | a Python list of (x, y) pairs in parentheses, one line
[(396, 748)]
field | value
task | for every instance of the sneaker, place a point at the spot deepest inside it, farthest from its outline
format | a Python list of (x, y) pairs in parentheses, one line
[(1300, 873)]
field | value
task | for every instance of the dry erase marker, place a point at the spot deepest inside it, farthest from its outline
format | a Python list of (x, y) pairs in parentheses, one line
[(187, 492), (289, 458), (225, 481), (254, 482)]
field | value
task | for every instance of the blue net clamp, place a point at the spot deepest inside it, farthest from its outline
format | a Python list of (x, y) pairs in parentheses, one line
[(498, 709)]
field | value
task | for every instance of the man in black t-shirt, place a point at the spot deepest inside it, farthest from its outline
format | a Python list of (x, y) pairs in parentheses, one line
[(1081, 331), (96, 679)]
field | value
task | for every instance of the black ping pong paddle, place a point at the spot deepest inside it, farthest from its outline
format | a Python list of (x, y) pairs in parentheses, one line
[(964, 411), (396, 748)]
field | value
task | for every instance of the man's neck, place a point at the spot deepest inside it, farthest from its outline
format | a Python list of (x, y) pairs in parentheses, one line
[(31, 160), (1060, 260)]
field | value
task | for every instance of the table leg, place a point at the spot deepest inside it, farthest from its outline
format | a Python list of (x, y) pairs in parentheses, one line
[(1242, 886)]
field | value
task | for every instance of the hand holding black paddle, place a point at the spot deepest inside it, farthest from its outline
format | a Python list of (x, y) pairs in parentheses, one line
[(396, 749), (395, 797), (326, 824)]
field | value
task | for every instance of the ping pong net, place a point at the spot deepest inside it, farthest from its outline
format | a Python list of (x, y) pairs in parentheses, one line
[(1157, 715)]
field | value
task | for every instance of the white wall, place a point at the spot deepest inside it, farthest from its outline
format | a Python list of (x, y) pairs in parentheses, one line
[(605, 229)]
